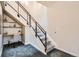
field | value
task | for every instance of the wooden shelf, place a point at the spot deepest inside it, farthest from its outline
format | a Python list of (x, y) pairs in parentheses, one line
[(9, 22), (11, 35), (21, 34), (8, 35), (12, 27)]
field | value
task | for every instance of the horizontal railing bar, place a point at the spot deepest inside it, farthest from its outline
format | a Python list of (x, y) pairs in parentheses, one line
[(32, 18), (22, 7), (16, 11), (41, 28), (33, 28), (26, 20)]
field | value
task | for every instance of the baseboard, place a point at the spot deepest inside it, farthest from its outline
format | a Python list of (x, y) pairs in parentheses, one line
[(26, 43), (66, 51), (1, 52)]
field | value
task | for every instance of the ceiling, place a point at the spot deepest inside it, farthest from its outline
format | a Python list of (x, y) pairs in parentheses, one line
[(47, 3)]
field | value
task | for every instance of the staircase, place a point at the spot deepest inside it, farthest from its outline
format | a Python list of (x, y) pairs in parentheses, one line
[(31, 22)]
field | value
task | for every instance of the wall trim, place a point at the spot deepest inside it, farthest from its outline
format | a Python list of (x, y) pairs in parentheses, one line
[(66, 51)]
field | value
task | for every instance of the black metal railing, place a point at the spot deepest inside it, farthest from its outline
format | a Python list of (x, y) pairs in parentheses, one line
[(15, 10), (29, 20)]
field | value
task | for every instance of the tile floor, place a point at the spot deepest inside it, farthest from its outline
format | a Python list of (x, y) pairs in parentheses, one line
[(20, 50)]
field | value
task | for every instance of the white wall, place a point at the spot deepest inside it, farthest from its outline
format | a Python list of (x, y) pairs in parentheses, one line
[(63, 18)]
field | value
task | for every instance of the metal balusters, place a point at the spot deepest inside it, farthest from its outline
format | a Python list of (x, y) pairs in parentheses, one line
[(18, 11), (45, 42), (29, 20), (36, 29)]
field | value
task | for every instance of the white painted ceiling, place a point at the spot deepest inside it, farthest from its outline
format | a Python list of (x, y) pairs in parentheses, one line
[(47, 3)]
